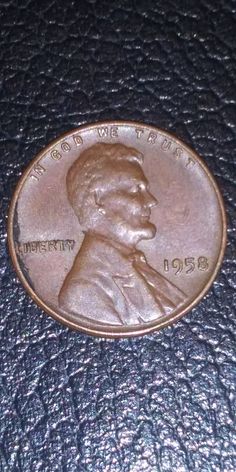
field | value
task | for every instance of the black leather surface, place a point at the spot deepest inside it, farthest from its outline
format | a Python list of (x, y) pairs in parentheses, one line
[(164, 402)]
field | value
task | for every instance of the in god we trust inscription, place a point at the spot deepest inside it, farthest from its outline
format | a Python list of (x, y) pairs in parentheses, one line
[(117, 229)]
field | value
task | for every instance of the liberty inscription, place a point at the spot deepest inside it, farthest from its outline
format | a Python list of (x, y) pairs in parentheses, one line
[(40, 247)]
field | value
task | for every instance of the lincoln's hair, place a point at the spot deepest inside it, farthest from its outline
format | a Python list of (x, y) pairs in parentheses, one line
[(92, 171)]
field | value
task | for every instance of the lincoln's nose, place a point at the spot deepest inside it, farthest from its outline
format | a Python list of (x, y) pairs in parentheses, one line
[(151, 200)]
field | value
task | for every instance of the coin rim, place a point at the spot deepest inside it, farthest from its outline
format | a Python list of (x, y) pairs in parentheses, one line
[(102, 332)]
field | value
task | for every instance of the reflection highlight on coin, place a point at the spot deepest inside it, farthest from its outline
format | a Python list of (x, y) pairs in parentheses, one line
[(117, 229)]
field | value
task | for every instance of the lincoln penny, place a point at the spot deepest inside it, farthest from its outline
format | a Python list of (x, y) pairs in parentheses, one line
[(117, 229)]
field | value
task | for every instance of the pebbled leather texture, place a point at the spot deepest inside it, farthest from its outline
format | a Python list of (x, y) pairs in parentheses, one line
[(164, 402)]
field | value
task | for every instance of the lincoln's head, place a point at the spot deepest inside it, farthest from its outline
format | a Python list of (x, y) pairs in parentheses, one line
[(109, 193)]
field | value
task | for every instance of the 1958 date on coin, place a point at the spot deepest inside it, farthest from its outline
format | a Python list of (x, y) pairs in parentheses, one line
[(188, 264)]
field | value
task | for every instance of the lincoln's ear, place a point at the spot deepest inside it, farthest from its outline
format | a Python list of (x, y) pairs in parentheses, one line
[(97, 197)]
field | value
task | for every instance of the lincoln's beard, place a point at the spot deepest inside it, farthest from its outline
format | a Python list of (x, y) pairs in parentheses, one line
[(122, 231), (147, 231), (129, 235)]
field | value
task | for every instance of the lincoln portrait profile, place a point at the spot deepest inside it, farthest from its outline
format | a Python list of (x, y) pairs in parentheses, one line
[(110, 280)]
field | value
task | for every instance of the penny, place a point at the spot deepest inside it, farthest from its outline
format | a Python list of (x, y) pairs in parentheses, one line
[(117, 229)]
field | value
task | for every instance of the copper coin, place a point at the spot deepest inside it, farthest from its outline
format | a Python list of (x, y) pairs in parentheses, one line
[(117, 229)]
